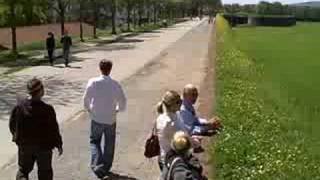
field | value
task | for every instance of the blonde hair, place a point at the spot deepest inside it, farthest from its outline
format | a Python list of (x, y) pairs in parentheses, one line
[(181, 141), (168, 100)]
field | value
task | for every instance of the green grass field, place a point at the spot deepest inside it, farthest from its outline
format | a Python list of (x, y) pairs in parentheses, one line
[(267, 95)]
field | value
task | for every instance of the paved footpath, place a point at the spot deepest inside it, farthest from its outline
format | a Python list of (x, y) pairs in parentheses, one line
[(167, 65)]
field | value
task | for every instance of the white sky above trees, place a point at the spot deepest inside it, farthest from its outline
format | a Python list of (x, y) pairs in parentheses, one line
[(257, 1)]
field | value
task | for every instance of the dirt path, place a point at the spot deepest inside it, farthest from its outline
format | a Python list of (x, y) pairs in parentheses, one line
[(184, 62), (65, 86)]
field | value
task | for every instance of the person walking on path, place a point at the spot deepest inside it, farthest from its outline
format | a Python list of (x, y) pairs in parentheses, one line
[(196, 126), (35, 130), (66, 42), (103, 98), (180, 163), (51, 45), (167, 123)]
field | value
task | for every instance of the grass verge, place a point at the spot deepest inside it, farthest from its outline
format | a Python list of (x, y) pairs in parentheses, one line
[(263, 137)]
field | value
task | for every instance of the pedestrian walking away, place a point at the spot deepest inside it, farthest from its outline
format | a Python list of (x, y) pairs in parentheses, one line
[(103, 99), (51, 45), (35, 130), (66, 42)]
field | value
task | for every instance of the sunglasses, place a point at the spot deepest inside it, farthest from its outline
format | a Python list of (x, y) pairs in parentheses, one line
[(179, 102)]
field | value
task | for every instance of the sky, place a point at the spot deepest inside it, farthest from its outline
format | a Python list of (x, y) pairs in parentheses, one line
[(256, 1)]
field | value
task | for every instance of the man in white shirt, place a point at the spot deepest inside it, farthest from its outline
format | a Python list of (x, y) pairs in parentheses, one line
[(103, 98)]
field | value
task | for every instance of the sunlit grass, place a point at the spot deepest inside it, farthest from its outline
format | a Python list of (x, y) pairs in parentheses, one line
[(266, 96)]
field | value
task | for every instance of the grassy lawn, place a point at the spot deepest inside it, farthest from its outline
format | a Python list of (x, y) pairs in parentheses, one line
[(267, 96)]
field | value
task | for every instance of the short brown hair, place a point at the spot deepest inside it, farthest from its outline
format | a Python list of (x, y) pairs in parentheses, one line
[(34, 86), (105, 66)]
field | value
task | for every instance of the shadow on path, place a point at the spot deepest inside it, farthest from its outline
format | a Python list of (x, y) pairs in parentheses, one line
[(114, 176), (14, 88)]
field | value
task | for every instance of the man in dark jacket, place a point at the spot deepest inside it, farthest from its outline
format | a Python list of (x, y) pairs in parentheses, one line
[(51, 45), (35, 130), (66, 45), (180, 164)]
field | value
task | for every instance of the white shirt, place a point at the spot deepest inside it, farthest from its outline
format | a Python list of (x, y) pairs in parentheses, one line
[(103, 98), (167, 125)]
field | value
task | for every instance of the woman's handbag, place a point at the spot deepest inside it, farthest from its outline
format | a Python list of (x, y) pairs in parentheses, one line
[(152, 147)]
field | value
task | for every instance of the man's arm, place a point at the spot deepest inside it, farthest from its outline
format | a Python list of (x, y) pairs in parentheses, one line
[(54, 43), (122, 100), (88, 94), (55, 129), (187, 119), (13, 121)]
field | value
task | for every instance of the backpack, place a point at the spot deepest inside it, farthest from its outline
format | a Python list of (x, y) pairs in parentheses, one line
[(171, 166)]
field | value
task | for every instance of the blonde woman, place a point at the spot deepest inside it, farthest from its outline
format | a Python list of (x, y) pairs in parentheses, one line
[(167, 123)]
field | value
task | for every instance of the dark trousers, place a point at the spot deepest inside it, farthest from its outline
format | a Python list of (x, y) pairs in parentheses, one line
[(27, 156), (50, 55), (66, 55), (102, 158)]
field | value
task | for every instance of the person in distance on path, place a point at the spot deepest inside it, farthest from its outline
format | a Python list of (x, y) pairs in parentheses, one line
[(66, 42), (51, 45)]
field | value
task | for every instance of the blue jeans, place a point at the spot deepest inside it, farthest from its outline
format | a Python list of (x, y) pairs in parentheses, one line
[(101, 160)]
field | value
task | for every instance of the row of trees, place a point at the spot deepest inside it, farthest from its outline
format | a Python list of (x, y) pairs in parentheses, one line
[(275, 8), (96, 12)]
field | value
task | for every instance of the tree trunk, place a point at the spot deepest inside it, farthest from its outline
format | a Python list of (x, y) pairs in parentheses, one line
[(140, 16), (135, 18), (62, 17), (113, 14), (81, 21), (148, 14), (154, 14), (81, 32), (14, 40), (96, 18), (13, 28), (128, 17), (95, 30)]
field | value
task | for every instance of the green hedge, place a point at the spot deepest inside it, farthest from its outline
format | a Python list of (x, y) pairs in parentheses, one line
[(236, 19), (273, 20)]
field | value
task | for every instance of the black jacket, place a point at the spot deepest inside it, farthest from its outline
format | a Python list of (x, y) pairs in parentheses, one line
[(51, 44), (34, 123), (185, 168), (66, 42)]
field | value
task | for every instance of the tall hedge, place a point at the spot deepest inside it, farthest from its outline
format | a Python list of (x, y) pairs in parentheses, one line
[(260, 20)]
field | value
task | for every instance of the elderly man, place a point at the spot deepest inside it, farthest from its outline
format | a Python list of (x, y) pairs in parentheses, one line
[(103, 98), (196, 126)]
